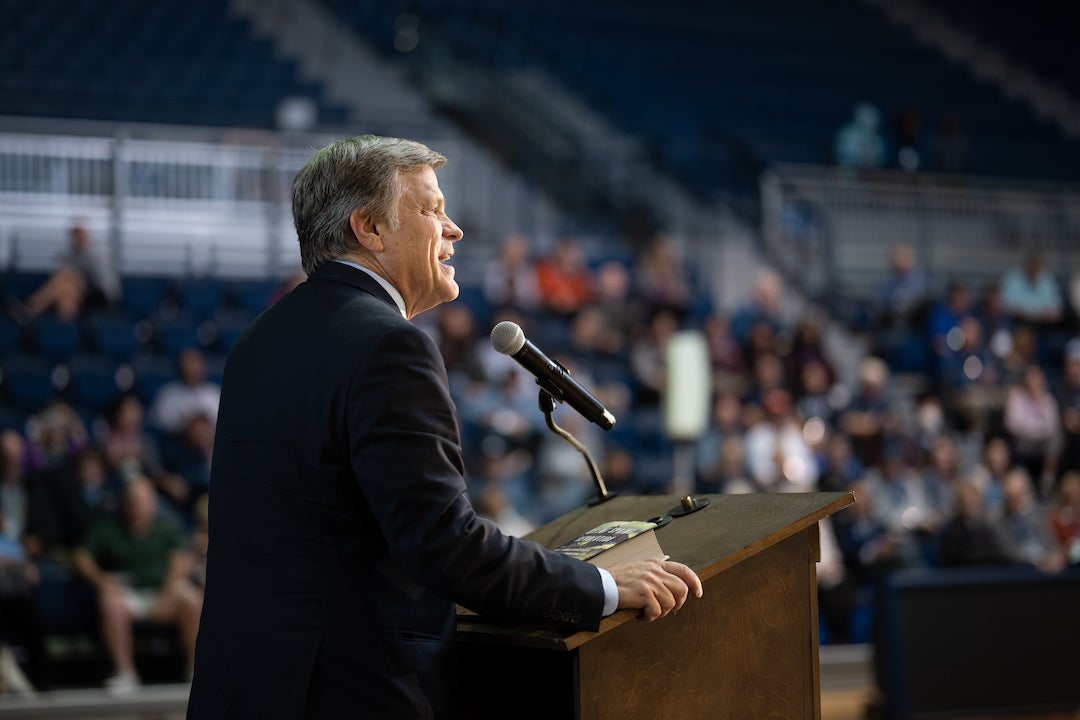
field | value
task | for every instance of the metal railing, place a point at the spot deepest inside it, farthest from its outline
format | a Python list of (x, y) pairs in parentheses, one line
[(169, 200), (831, 229)]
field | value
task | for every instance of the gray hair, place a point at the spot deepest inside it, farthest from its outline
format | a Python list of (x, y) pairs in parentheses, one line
[(361, 173)]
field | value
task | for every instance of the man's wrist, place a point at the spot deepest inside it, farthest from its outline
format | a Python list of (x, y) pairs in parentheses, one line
[(611, 592)]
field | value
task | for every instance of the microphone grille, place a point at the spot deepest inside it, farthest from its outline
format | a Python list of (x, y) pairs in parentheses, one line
[(507, 337)]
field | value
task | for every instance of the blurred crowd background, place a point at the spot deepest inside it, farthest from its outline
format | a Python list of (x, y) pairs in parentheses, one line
[(866, 211)]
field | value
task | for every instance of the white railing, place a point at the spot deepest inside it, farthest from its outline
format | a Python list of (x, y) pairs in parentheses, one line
[(834, 228), (174, 201)]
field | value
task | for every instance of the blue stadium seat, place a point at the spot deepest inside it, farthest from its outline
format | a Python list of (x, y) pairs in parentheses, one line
[(171, 337), (93, 384), (230, 326), (10, 335), (28, 382), (55, 338), (114, 335), (143, 295), (200, 297), (150, 374), (253, 296)]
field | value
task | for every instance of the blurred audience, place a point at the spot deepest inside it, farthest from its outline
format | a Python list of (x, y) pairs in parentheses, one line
[(564, 279), (968, 538), (859, 144), (1031, 294), (85, 278), (140, 567), (190, 394)]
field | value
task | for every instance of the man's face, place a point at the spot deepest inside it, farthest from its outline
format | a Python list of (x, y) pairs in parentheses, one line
[(414, 255)]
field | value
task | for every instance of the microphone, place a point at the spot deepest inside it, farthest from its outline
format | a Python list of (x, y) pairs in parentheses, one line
[(509, 339)]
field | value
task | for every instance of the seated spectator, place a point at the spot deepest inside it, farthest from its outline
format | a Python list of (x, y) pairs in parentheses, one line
[(65, 502), (1033, 422), (621, 311), (1023, 530), (949, 146), (807, 349), (14, 493), (763, 307), (564, 280), (989, 476), (777, 455), (815, 398), (84, 278), (930, 421), (189, 463), (647, 358), (729, 475), (191, 394), (941, 477), (868, 418), (859, 143), (1069, 401), (714, 457), (510, 281), (840, 469), (132, 452), (870, 549), (141, 569), (456, 338), (494, 504), (1065, 517), (907, 143), (20, 619), (767, 373), (54, 436), (725, 355), (996, 323), (945, 319), (905, 290), (661, 280), (1022, 352), (1031, 294), (970, 380), (968, 539), (900, 504)]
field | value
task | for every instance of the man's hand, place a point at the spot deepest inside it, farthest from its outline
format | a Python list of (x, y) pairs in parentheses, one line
[(657, 587)]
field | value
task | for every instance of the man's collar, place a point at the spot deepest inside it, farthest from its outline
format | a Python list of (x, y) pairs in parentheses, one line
[(383, 282)]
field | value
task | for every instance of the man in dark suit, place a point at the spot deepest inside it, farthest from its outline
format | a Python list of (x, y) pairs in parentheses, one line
[(340, 532)]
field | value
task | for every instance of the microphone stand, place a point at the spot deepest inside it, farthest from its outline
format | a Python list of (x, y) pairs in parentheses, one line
[(547, 406)]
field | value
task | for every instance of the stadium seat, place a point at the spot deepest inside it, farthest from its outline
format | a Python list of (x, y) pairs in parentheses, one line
[(94, 383), (150, 374), (28, 382), (55, 338), (114, 335), (10, 335), (143, 295), (200, 297)]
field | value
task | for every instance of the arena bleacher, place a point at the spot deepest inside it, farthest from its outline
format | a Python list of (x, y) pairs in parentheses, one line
[(155, 126)]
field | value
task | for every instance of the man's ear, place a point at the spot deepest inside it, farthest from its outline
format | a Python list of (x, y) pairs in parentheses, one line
[(365, 231)]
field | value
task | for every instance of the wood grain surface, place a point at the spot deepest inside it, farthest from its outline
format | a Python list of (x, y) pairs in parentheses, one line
[(731, 529)]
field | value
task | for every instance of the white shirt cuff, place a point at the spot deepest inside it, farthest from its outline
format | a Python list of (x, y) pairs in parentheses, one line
[(611, 592)]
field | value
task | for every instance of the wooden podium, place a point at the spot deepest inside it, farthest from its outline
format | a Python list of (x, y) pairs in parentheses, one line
[(747, 649)]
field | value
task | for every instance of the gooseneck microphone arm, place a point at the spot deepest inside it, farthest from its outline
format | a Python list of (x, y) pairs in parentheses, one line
[(547, 406)]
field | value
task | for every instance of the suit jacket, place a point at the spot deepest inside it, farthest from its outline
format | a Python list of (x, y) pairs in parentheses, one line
[(340, 532)]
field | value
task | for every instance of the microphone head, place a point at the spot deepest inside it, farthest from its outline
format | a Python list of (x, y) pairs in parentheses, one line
[(507, 337)]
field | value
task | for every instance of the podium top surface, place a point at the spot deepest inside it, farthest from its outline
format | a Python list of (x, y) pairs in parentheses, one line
[(731, 529)]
